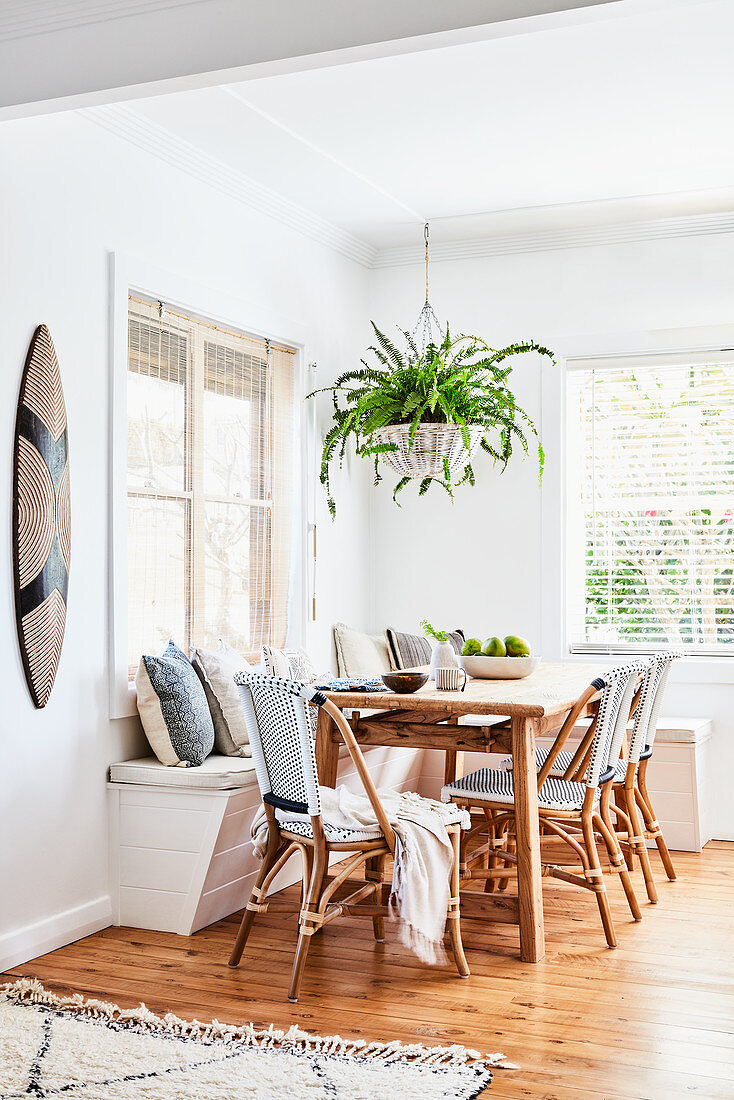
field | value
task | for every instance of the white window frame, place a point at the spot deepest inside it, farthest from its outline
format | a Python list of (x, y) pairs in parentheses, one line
[(130, 275), (555, 642)]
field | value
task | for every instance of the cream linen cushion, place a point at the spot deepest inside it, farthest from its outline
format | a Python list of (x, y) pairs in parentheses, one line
[(360, 654), (216, 669), (217, 773)]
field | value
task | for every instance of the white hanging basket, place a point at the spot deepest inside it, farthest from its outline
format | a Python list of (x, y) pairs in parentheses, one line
[(432, 444)]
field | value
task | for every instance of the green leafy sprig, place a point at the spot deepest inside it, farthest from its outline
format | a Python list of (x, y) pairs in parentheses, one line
[(437, 635)]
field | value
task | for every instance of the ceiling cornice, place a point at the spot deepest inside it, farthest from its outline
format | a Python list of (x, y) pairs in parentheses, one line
[(23, 18), (654, 229), (125, 123)]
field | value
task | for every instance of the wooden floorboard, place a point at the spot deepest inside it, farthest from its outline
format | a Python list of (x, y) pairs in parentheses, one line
[(653, 1020)]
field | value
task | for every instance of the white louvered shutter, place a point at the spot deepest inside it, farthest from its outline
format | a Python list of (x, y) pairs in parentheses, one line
[(651, 503)]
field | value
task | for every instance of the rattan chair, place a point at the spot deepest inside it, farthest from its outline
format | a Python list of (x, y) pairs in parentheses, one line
[(281, 720), (574, 812), (630, 792)]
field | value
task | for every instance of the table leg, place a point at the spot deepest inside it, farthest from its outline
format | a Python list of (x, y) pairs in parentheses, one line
[(453, 761), (327, 750), (529, 875)]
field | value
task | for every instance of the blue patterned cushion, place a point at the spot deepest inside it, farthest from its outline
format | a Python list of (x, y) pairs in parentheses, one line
[(173, 708), (351, 683)]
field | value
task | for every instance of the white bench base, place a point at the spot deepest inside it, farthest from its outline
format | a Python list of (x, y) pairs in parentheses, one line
[(180, 859)]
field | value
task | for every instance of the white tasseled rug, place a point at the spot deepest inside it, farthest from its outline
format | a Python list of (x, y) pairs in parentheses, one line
[(67, 1047)]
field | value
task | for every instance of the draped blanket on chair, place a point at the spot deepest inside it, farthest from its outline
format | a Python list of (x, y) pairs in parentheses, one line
[(423, 856)]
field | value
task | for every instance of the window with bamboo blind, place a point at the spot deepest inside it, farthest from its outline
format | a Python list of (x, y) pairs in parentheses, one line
[(651, 503), (211, 484)]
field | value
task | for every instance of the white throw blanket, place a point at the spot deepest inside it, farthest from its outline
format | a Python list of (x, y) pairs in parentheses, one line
[(423, 856)]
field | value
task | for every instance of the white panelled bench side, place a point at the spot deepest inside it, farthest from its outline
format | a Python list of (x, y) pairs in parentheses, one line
[(180, 851)]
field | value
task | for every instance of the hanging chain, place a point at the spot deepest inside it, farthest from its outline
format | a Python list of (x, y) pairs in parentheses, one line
[(426, 237), (428, 327)]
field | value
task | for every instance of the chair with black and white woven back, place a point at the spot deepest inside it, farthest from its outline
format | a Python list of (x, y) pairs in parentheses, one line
[(630, 788), (629, 791), (280, 717), (569, 810)]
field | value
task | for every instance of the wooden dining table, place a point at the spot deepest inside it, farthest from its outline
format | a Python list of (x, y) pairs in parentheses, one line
[(432, 719)]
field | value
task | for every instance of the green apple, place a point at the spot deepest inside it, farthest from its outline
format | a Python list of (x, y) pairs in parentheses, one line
[(471, 647), (517, 647), (494, 647)]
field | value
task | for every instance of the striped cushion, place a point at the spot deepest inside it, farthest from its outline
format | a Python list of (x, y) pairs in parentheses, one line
[(412, 650), (562, 762), (490, 785)]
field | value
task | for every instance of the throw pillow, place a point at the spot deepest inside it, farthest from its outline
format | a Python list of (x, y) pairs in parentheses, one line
[(289, 664), (173, 709), (360, 654), (216, 670), (412, 650)]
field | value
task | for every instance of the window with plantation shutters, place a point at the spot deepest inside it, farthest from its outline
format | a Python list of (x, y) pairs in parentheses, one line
[(212, 432), (651, 503)]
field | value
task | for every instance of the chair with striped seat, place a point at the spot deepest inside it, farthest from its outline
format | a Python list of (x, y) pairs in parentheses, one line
[(630, 790), (281, 723), (569, 810)]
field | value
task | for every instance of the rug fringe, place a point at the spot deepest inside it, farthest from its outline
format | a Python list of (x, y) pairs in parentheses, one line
[(31, 991)]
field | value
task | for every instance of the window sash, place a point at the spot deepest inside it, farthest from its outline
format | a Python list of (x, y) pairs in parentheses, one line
[(650, 495), (253, 457)]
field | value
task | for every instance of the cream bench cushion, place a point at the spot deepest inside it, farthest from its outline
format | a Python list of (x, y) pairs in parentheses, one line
[(217, 773)]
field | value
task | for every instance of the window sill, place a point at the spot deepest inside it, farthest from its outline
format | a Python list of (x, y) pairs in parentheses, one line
[(689, 670)]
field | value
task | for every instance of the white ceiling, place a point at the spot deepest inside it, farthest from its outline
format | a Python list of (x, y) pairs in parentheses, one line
[(617, 109)]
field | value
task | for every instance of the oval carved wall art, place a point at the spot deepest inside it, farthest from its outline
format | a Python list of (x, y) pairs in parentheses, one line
[(41, 516)]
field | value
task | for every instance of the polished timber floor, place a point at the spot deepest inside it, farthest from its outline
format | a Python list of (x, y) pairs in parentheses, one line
[(653, 1020)]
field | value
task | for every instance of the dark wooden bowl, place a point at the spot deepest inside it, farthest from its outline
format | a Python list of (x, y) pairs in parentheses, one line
[(404, 683)]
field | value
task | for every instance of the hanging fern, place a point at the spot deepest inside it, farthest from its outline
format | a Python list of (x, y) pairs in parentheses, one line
[(459, 381)]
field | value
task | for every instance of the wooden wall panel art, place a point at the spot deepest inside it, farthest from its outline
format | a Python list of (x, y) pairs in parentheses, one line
[(41, 516)]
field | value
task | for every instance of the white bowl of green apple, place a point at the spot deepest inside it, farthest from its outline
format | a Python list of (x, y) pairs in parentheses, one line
[(506, 658)]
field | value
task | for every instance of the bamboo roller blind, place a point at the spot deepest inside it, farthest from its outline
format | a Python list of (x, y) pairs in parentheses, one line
[(211, 482)]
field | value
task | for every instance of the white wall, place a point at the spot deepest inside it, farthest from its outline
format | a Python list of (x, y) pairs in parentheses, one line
[(479, 563), (70, 193)]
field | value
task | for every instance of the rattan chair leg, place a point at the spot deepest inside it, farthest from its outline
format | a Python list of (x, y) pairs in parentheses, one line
[(605, 827), (490, 884), (318, 874), (374, 871), (620, 798), (454, 917), (274, 850), (511, 846), (638, 839), (645, 804), (595, 877)]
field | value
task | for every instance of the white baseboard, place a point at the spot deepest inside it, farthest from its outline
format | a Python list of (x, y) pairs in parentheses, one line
[(22, 944)]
